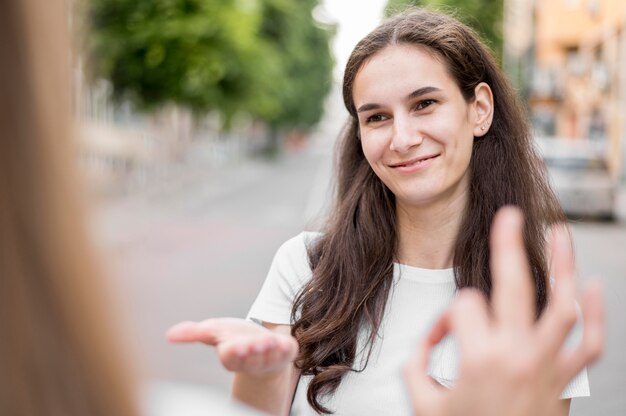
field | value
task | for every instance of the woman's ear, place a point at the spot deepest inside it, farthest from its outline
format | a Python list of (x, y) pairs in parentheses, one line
[(483, 108)]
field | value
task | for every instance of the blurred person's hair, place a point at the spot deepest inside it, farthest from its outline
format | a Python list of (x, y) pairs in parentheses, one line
[(59, 354), (353, 261)]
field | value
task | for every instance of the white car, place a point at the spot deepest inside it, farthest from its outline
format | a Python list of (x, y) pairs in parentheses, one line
[(580, 177)]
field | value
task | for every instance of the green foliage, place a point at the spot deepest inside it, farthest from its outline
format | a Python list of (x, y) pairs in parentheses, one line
[(485, 16), (303, 47), (252, 56)]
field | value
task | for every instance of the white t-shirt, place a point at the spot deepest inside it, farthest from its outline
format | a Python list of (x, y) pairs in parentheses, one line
[(417, 298)]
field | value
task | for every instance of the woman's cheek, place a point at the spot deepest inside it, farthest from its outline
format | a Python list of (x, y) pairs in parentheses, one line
[(374, 144)]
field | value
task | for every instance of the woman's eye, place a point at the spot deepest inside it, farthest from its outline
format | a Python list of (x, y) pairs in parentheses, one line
[(423, 104), (376, 118)]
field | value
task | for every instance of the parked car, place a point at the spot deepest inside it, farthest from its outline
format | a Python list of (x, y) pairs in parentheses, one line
[(580, 177)]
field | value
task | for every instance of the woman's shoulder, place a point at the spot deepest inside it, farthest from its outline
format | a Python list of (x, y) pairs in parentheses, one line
[(306, 237), (293, 254), (289, 273), (299, 244)]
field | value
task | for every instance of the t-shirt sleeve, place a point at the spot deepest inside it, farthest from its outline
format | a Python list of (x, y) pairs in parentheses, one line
[(289, 272)]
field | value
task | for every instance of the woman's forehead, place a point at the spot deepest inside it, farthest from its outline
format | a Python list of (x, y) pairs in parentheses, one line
[(400, 69)]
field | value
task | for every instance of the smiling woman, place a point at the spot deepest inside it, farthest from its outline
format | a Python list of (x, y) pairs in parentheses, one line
[(435, 144)]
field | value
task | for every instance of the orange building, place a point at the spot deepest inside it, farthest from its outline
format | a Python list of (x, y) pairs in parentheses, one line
[(576, 68)]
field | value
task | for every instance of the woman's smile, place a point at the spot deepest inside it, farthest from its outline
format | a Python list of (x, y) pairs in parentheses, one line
[(414, 165)]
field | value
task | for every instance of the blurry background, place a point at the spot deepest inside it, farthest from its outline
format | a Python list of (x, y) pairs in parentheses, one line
[(207, 132)]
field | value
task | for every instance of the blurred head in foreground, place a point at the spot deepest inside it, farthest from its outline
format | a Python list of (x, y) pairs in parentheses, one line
[(58, 354)]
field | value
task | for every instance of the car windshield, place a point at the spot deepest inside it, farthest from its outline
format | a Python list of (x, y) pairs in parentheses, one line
[(577, 164)]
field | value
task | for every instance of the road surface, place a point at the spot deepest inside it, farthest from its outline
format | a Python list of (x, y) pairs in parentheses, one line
[(199, 246)]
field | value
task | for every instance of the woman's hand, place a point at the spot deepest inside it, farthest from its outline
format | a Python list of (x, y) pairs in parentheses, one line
[(510, 363), (242, 346)]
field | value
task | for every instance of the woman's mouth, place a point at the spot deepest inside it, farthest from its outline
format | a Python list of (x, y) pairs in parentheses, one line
[(414, 164)]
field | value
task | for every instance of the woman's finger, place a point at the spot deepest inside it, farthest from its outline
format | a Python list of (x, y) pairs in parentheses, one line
[(188, 331)]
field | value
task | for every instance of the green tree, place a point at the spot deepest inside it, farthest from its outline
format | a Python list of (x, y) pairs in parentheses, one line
[(303, 46), (251, 56), (485, 16)]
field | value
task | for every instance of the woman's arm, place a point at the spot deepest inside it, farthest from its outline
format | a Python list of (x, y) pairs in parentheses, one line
[(260, 356), (563, 409)]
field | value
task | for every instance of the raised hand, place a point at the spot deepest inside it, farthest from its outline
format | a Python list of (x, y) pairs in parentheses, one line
[(242, 346), (510, 363)]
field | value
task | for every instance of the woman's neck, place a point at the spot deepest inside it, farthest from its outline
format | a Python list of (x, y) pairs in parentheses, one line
[(427, 233)]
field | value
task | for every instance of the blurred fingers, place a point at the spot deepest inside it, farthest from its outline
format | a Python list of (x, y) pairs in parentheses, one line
[(439, 330), (562, 265), (592, 343), (469, 320), (513, 295), (425, 393), (560, 251), (560, 315)]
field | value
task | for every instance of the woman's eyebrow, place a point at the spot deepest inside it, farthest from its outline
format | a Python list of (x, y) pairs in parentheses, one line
[(421, 91), (367, 107), (417, 93)]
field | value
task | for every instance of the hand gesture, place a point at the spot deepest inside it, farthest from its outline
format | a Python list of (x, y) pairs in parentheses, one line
[(242, 346), (510, 363)]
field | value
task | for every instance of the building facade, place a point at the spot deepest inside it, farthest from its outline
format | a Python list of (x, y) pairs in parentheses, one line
[(569, 58)]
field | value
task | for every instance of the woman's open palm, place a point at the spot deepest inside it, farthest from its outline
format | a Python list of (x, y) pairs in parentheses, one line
[(242, 346)]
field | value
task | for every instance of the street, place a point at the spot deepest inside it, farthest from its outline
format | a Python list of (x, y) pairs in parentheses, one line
[(200, 246), (600, 254)]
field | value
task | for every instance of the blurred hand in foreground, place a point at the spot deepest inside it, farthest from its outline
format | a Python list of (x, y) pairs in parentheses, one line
[(510, 363)]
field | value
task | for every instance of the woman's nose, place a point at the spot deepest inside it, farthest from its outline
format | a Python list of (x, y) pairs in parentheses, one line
[(405, 134)]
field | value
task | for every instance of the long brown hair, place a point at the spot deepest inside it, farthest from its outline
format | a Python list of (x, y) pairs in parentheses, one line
[(58, 354), (352, 262)]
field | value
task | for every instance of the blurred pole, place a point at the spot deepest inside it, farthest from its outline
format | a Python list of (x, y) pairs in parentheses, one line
[(621, 63), (518, 30)]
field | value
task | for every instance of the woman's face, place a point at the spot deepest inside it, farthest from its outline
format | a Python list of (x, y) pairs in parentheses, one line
[(416, 128)]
